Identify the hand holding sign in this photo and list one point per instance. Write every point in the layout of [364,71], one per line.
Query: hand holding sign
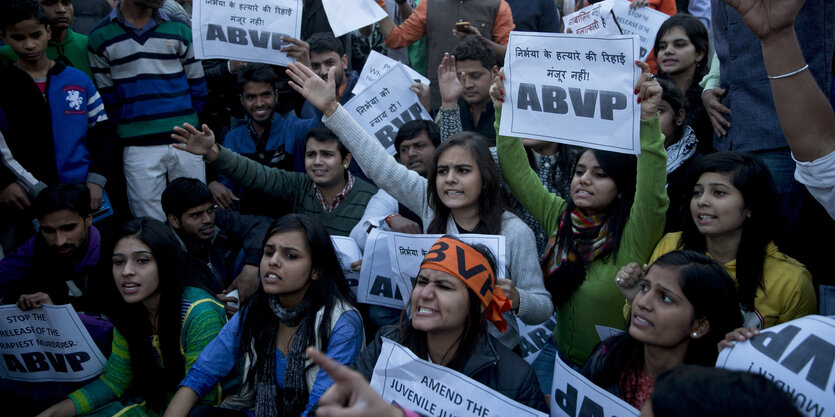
[350,395]
[739,335]
[297,49]
[648,91]
[320,93]
[448,82]
[497,90]
[30,301]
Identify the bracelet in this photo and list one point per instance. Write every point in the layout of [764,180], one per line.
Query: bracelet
[388,218]
[777,77]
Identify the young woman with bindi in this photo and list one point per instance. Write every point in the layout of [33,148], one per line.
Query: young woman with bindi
[681,46]
[732,214]
[597,230]
[448,323]
[303,301]
[161,326]
[686,303]
[460,195]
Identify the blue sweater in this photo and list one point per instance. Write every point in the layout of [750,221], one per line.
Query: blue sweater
[148,77]
[221,355]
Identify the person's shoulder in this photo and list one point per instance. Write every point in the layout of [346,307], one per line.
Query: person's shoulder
[670,241]
[363,185]
[194,296]
[776,259]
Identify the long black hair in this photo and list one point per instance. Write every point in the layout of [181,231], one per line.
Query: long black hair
[709,289]
[622,169]
[697,34]
[259,324]
[491,205]
[753,179]
[151,381]
[474,328]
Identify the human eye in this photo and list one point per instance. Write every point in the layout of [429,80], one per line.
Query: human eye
[143,260]
[421,281]
[290,256]
[697,192]
[442,171]
[643,287]
[666,299]
[600,174]
[118,261]
[719,193]
[463,170]
[579,172]
[269,252]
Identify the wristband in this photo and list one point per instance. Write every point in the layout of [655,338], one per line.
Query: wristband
[388,218]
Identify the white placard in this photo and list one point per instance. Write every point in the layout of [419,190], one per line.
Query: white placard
[348,252]
[376,66]
[643,21]
[402,378]
[532,338]
[573,395]
[377,284]
[797,356]
[386,105]
[573,89]
[247,30]
[407,252]
[49,343]
[596,18]
[346,16]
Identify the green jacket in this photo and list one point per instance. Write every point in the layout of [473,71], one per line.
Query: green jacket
[296,188]
[597,302]
[72,51]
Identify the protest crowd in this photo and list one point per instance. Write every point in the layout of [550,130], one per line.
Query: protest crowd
[417,207]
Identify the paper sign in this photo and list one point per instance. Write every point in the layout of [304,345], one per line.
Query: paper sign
[643,22]
[386,105]
[249,30]
[348,252]
[573,395]
[407,251]
[46,344]
[532,338]
[596,18]
[346,16]
[797,356]
[378,64]
[573,89]
[402,378]
[377,284]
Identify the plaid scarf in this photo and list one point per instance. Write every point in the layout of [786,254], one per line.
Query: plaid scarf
[564,266]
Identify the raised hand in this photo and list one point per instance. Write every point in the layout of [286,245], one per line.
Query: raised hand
[448,82]
[197,142]
[648,91]
[297,49]
[320,93]
[765,17]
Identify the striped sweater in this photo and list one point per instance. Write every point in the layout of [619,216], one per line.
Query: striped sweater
[149,80]
[202,317]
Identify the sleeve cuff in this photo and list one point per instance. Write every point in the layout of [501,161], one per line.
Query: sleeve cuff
[97,179]
[35,189]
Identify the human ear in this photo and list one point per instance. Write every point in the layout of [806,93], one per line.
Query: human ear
[175,222]
[699,328]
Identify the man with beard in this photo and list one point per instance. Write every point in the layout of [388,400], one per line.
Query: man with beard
[56,266]
[215,237]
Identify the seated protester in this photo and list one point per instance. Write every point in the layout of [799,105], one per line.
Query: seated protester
[304,301]
[733,218]
[65,45]
[460,195]
[215,237]
[694,391]
[681,144]
[685,305]
[161,326]
[58,265]
[415,143]
[267,137]
[328,192]
[682,50]
[614,216]
[464,79]
[447,325]
[55,130]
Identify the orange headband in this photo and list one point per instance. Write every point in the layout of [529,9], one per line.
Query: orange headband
[465,263]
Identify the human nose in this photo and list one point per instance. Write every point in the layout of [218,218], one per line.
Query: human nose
[427,292]
[60,8]
[61,238]
[127,268]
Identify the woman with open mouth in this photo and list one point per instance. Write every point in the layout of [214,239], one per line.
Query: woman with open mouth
[303,301]
[161,326]
[684,305]
[448,326]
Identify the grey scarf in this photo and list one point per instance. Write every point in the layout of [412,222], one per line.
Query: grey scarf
[293,397]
